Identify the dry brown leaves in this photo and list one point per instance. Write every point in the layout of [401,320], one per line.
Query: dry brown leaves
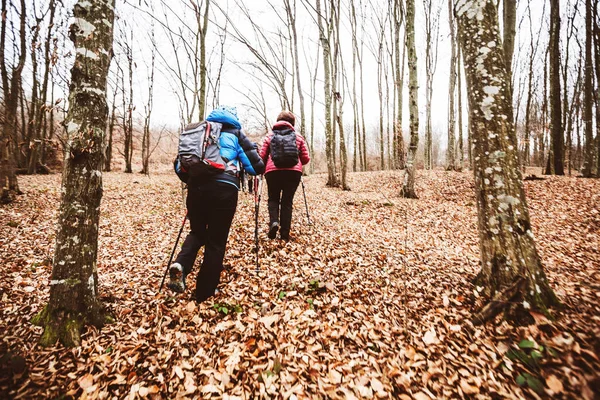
[372,301]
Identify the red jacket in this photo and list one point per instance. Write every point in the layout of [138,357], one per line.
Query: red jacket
[303,156]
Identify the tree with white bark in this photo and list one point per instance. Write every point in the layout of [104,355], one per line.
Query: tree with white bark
[74,300]
[511,273]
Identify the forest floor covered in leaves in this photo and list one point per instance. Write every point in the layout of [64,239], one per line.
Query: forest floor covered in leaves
[370,301]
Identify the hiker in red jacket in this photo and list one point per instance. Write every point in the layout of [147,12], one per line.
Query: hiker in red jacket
[284,151]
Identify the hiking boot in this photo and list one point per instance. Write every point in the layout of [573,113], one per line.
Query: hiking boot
[176,278]
[284,236]
[273,230]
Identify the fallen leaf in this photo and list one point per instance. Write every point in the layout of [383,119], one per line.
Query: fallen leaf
[268,320]
[178,371]
[430,336]
[467,388]
[554,384]
[86,381]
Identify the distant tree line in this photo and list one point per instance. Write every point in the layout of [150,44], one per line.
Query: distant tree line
[554,80]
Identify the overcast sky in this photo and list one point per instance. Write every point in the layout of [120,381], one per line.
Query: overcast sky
[238,78]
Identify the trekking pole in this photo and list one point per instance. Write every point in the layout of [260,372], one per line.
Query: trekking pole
[305,202]
[257,195]
[173,252]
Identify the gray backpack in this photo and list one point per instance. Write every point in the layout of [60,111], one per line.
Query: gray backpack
[199,153]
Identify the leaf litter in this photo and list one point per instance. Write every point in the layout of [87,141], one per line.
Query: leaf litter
[371,301]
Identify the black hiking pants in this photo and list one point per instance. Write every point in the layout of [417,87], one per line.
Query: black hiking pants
[211,207]
[282,187]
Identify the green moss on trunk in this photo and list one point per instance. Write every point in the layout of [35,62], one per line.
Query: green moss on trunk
[64,326]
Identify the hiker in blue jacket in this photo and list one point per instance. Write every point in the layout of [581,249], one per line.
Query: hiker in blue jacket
[211,203]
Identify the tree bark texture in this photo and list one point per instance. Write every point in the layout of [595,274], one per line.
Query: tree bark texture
[450,163]
[431,23]
[202,77]
[555,99]
[398,147]
[291,13]
[74,282]
[597,68]
[509,18]
[325,36]
[398,84]
[461,151]
[588,99]
[508,251]
[128,110]
[11,86]
[408,186]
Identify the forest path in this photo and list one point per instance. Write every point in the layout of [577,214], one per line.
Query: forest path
[369,301]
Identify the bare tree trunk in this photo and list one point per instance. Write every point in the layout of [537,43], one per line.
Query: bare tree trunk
[128,106]
[379,58]
[291,13]
[362,94]
[74,283]
[461,152]
[399,160]
[588,154]
[450,164]
[30,135]
[108,148]
[571,26]
[573,112]
[357,148]
[597,58]
[313,86]
[203,32]
[340,75]
[408,186]
[40,125]
[555,99]
[431,44]
[509,16]
[325,37]
[148,109]
[544,112]
[9,186]
[526,161]
[512,273]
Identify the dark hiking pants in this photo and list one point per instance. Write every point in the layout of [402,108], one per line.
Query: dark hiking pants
[282,187]
[211,207]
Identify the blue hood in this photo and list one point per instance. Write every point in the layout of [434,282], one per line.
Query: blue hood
[224,117]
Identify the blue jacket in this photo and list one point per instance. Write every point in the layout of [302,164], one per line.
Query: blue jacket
[236,147]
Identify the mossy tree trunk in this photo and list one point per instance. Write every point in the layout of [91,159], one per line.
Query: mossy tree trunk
[512,272]
[74,283]
[408,186]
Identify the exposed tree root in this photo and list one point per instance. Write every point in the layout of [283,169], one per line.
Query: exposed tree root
[65,326]
[500,302]
[408,194]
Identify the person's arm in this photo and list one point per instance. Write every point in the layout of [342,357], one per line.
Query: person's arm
[251,160]
[303,150]
[264,151]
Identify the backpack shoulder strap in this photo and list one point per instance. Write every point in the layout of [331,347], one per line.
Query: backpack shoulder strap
[205,139]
